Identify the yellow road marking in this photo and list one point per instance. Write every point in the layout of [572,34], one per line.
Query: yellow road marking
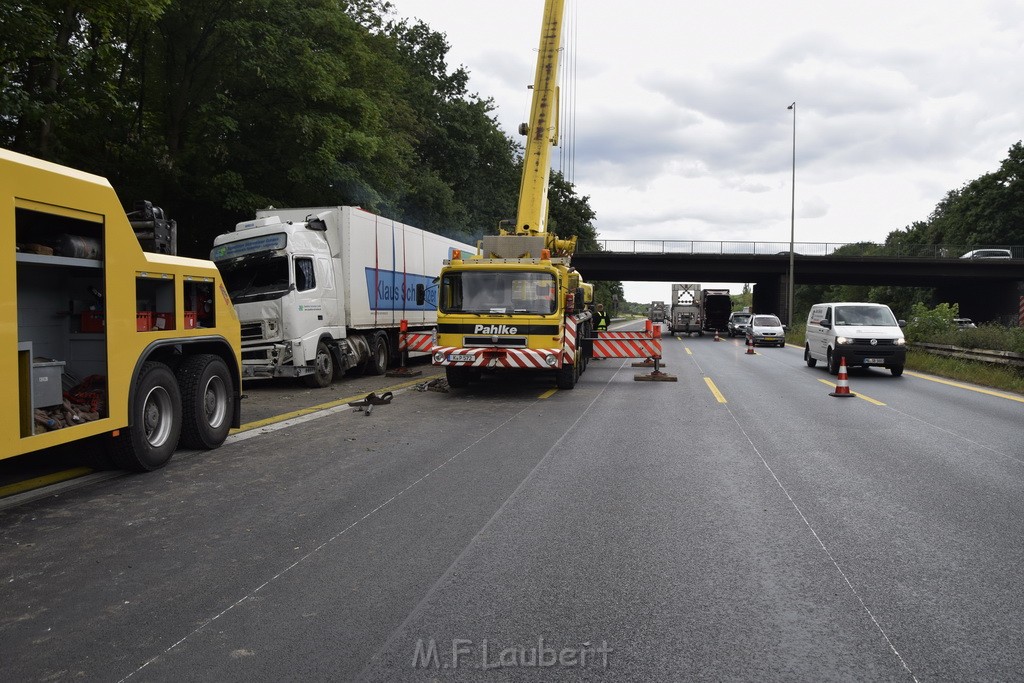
[714,390]
[548,394]
[688,351]
[46,480]
[988,392]
[248,426]
[855,393]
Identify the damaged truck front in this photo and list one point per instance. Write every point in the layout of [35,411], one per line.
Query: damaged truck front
[323,290]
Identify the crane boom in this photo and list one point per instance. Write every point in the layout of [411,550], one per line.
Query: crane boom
[542,130]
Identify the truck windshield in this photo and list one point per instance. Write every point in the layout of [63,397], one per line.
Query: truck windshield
[498,292]
[258,277]
[865,316]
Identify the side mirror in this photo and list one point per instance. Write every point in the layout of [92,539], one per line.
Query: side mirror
[785,328]
[901,323]
[826,324]
[421,294]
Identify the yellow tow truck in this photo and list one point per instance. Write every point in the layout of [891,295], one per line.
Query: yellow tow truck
[100,339]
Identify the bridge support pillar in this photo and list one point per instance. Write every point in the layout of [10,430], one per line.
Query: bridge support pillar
[769,296]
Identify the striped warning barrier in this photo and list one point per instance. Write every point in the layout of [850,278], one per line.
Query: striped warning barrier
[626,345]
[416,341]
[409,341]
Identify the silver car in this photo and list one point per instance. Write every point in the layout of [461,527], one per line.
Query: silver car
[766,329]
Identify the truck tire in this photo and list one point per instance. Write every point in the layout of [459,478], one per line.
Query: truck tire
[811,362]
[896,370]
[458,378]
[154,421]
[831,363]
[323,375]
[206,401]
[377,363]
[565,376]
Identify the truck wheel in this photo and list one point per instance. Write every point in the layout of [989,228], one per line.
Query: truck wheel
[565,376]
[377,364]
[154,421]
[831,362]
[896,370]
[457,377]
[811,362]
[206,393]
[324,364]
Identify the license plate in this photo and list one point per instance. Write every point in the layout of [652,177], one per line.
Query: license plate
[770,338]
[874,360]
[461,358]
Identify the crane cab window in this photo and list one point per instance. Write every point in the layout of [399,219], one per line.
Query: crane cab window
[501,292]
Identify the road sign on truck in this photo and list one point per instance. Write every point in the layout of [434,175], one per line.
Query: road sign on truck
[100,338]
[322,290]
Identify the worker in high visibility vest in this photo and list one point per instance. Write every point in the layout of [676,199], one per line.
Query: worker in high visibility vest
[600,318]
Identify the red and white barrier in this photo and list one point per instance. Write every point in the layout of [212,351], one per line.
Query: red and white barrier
[626,345]
[416,341]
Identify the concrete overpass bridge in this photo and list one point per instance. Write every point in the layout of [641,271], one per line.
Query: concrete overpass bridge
[985,288]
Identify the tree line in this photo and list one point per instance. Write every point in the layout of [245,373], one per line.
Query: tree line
[215,109]
[987,211]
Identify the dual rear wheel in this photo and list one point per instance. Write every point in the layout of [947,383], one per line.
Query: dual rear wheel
[192,406]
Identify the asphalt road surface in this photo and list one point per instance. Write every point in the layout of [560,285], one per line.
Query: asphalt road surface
[738,524]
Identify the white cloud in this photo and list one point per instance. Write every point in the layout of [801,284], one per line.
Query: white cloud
[681,126]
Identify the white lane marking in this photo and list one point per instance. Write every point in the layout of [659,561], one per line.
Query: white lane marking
[487,525]
[371,513]
[817,538]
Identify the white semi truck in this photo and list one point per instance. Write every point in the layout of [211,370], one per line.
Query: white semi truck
[323,290]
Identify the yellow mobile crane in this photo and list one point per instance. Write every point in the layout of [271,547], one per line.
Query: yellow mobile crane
[519,303]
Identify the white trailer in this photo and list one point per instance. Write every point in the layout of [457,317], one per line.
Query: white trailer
[323,290]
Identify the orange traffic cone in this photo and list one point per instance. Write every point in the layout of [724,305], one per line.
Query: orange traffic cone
[750,347]
[842,385]
[717,338]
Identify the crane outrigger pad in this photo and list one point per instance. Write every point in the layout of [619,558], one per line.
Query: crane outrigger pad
[656,376]
[649,363]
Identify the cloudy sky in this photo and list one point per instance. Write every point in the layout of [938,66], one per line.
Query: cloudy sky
[681,129]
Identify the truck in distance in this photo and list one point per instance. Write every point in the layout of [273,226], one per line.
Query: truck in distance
[656,312]
[324,290]
[685,316]
[716,305]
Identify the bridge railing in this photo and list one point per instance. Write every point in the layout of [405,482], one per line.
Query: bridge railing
[845,249]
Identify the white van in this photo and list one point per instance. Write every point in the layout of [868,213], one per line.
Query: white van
[862,333]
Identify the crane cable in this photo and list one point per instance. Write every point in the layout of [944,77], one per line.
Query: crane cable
[567,65]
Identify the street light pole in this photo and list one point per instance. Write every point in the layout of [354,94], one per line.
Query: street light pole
[792,223]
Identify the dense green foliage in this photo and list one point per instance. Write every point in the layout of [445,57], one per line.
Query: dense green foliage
[213,110]
[936,326]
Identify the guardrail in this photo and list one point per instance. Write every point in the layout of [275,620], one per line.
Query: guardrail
[845,249]
[1000,357]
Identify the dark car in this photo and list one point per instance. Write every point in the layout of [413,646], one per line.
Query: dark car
[737,325]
